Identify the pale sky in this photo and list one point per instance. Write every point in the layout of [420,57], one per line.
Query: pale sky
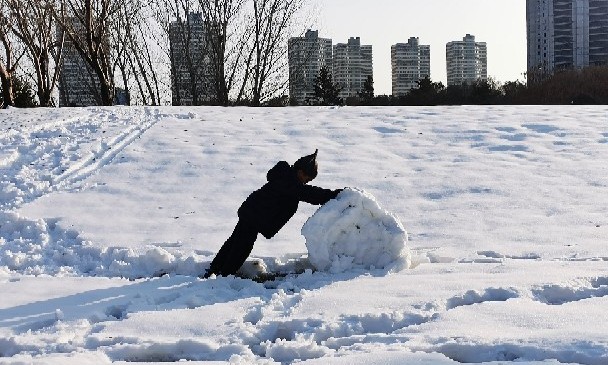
[382,23]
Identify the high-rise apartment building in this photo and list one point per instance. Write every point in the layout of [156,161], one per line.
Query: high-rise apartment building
[564,34]
[352,65]
[78,84]
[466,61]
[307,55]
[410,62]
[192,77]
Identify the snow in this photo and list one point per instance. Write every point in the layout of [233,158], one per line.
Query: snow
[353,231]
[504,260]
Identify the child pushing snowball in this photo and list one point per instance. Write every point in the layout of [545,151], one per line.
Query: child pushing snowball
[268,209]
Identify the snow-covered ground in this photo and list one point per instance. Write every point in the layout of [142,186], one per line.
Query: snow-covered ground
[506,211]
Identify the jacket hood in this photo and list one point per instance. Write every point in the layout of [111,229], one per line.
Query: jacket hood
[282,170]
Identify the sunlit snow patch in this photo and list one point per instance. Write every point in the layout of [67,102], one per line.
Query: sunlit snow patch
[353,231]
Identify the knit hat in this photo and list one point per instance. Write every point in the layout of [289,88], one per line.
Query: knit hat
[308,164]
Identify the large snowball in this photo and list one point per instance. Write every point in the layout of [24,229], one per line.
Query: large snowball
[353,231]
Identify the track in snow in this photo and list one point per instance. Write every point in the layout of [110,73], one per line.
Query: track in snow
[41,157]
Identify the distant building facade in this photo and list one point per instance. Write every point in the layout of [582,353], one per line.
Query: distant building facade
[352,65]
[192,77]
[410,62]
[306,56]
[78,84]
[466,61]
[566,34]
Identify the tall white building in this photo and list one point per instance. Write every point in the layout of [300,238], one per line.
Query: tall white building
[410,62]
[192,78]
[307,55]
[466,61]
[352,64]
[565,34]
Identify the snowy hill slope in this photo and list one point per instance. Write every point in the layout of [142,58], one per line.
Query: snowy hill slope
[505,208]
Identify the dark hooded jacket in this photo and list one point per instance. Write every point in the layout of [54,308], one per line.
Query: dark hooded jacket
[269,208]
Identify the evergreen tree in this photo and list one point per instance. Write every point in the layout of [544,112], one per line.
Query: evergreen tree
[367,94]
[25,96]
[484,92]
[427,92]
[326,92]
[513,92]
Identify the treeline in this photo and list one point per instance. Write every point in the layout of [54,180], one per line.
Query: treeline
[586,86]
[126,46]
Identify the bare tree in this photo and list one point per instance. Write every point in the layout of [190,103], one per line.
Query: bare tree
[86,24]
[226,39]
[34,27]
[8,61]
[140,61]
[247,44]
[120,34]
[164,12]
[272,21]
[184,42]
[6,64]
[132,55]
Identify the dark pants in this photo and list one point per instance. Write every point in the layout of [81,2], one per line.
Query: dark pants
[235,250]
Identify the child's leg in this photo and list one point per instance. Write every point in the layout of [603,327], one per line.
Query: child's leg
[235,250]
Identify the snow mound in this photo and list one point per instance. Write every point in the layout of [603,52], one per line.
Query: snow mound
[43,247]
[353,231]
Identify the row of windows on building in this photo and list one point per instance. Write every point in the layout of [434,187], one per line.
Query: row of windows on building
[351,64]
[566,34]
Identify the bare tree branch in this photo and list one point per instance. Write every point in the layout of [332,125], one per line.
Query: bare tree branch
[34,27]
[8,63]
[273,20]
[86,24]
